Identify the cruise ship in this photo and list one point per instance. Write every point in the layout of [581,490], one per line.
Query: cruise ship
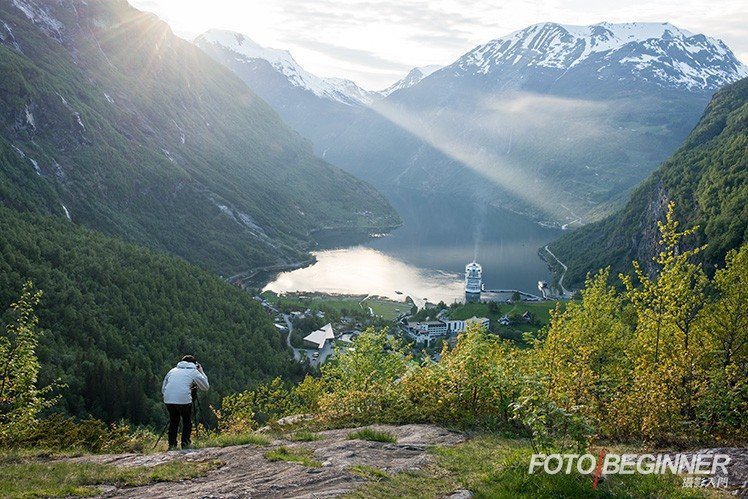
[473,281]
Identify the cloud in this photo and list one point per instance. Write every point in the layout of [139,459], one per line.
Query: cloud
[357,56]
[378,41]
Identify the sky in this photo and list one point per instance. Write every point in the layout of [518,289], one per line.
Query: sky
[376,42]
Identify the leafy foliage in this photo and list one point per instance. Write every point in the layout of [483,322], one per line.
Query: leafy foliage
[663,360]
[21,400]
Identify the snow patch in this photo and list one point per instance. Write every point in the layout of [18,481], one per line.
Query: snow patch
[675,56]
[168,155]
[77,117]
[182,136]
[67,213]
[413,77]
[59,172]
[12,37]
[336,89]
[241,218]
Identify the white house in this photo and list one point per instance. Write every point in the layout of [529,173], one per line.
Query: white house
[318,338]
[426,332]
[462,326]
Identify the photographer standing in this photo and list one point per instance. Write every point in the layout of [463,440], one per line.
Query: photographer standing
[177,390]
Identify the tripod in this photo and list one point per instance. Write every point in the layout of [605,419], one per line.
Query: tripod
[196,410]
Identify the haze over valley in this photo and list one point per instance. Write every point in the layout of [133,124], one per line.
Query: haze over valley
[406,268]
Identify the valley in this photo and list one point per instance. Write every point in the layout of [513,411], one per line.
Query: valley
[415,276]
[425,258]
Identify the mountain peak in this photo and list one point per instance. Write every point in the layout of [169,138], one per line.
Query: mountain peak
[414,76]
[656,52]
[243,45]
[336,89]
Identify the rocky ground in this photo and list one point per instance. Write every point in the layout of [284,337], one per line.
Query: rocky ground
[247,473]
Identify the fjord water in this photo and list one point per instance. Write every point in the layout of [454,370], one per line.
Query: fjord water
[426,257]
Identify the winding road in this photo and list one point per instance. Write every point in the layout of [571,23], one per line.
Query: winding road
[323,354]
[564,291]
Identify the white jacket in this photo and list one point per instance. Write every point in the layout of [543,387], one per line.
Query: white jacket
[178,383]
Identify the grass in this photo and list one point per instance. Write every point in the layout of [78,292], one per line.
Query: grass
[372,435]
[541,310]
[387,309]
[314,300]
[63,478]
[304,436]
[293,455]
[495,467]
[369,472]
[230,439]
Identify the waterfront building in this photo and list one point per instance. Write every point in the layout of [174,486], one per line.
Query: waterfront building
[456,326]
[426,332]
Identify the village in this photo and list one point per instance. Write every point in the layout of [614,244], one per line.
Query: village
[315,324]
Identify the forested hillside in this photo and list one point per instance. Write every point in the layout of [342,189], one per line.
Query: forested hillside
[110,119]
[708,180]
[116,317]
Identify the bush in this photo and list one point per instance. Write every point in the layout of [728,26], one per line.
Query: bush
[58,432]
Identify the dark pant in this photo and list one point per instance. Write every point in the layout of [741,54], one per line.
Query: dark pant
[177,412]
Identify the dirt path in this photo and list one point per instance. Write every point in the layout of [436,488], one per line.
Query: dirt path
[246,472]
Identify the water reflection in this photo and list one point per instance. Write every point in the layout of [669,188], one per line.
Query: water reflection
[361,270]
[426,257]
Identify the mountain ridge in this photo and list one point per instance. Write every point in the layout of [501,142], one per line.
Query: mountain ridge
[555,122]
[336,89]
[121,126]
[707,178]
[562,46]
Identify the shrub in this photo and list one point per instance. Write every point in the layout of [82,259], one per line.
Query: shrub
[21,400]
[58,432]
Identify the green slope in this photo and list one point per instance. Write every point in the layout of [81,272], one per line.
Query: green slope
[708,180]
[142,136]
[116,317]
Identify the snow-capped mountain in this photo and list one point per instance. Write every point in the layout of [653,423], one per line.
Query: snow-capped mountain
[557,122]
[414,76]
[246,50]
[554,121]
[655,52]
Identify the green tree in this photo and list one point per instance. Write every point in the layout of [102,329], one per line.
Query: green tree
[668,308]
[584,354]
[725,405]
[21,400]
[362,383]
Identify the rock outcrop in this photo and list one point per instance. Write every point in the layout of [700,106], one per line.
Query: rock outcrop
[247,473]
